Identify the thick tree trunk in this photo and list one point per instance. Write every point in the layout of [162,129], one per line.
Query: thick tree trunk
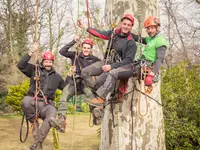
[133,129]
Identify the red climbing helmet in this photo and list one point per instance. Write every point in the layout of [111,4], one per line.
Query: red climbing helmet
[151,21]
[129,17]
[48,56]
[88,41]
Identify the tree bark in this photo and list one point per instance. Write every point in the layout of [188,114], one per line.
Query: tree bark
[132,130]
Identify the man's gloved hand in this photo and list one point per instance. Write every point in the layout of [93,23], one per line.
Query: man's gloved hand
[148,81]
[33,49]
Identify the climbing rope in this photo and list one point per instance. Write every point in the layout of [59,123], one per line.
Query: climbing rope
[36,78]
[140,28]
[55,139]
[90,125]
[36,61]
[75,86]
[142,71]
[87,13]
[145,68]
[21,129]
[139,98]
[131,109]
[117,125]
[74,118]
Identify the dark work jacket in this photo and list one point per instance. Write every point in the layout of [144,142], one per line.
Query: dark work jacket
[124,45]
[49,81]
[81,61]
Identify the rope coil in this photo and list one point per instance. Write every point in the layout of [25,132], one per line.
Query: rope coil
[21,129]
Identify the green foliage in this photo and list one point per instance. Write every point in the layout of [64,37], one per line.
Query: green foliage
[57,97]
[181,99]
[16,94]
[71,109]
[85,107]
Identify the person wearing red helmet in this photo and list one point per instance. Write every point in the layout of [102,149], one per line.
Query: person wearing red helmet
[78,62]
[49,81]
[155,49]
[154,52]
[121,51]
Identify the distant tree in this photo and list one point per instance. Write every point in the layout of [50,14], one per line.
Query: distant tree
[182,30]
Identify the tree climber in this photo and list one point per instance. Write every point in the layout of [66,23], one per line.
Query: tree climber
[154,53]
[48,81]
[155,49]
[79,61]
[121,51]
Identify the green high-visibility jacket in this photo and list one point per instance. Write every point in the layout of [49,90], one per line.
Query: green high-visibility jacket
[150,50]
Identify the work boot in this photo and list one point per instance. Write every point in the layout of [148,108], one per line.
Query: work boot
[97,116]
[97,101]
[60,123]
[36,146]
[32,147]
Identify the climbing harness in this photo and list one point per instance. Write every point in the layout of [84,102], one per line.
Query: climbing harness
[21,129]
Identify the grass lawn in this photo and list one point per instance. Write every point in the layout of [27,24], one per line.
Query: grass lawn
[84,137]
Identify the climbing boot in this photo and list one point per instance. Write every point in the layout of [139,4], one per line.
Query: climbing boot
[59,124]
[97,116]
[36,146]
[33,147]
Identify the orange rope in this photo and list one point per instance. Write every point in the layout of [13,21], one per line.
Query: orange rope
[88,15]
[36,59]
[139,98]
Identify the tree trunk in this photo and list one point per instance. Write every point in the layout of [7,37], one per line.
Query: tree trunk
[132,130]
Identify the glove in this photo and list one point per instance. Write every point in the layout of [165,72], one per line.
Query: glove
[148,81]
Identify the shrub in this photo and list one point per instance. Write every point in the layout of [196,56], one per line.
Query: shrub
[85,107]
[71,109]
[181,99]
[16,94]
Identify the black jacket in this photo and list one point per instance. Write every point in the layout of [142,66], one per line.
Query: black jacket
[81,61]
[124,45]
[49,81]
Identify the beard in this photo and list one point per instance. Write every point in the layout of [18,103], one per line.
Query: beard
[47,67]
